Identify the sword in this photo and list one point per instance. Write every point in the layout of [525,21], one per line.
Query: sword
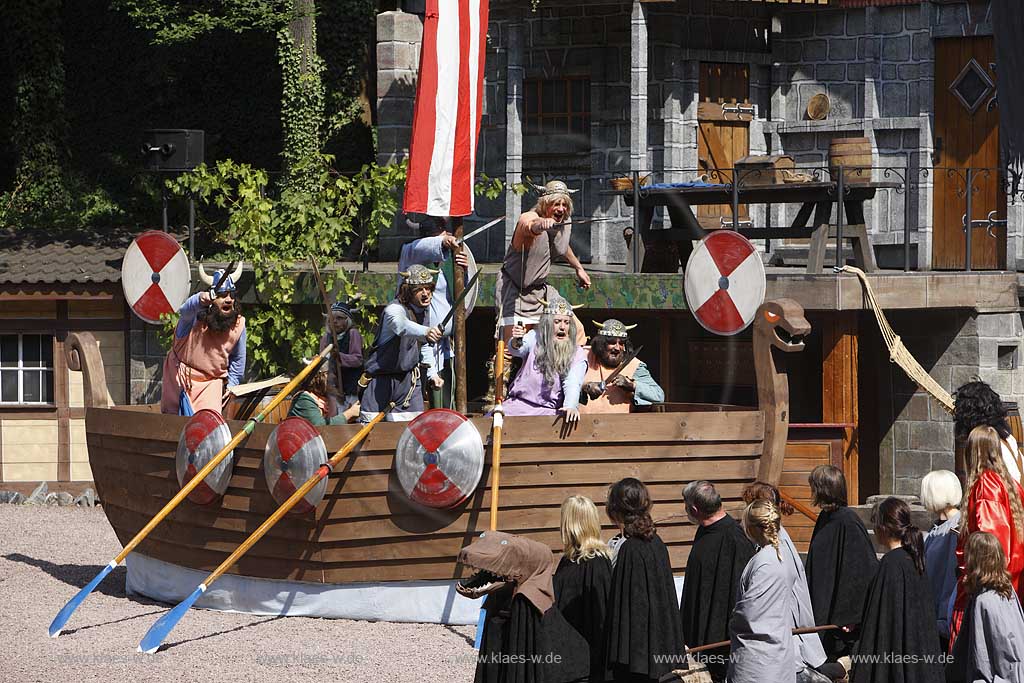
[615,373]
[587,220]
[479,230]
[458,300]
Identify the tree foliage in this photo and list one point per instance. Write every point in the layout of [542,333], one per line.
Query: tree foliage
[279,235]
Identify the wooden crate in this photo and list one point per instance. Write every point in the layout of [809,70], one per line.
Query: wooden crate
[756,170]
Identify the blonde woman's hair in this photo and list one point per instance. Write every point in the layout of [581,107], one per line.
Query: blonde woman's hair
[940,489]
[986,565]
[544,204]
[581,530]
[762,521]
[985,452]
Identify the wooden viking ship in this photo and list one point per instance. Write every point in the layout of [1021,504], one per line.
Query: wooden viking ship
[367,530]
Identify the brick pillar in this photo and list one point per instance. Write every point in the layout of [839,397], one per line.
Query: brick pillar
[513,126]
[399,35]
[638,88]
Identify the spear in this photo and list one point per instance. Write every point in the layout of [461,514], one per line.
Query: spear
[57,625]
[159,631]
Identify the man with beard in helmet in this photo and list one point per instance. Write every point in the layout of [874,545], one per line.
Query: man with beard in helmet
[554,366]
[633,386]
[393,368]
[208,352]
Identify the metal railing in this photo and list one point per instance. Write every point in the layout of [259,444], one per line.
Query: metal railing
[841,181]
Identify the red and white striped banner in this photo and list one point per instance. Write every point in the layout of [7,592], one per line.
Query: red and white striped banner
[449,99]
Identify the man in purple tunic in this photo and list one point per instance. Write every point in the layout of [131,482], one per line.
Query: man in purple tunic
[552,374]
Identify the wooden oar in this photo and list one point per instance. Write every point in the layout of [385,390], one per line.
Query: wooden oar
[62,617]
[159,631]
[798,506]
[796,632]
[498,417]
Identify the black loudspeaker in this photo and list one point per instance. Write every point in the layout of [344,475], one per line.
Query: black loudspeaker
[172,149]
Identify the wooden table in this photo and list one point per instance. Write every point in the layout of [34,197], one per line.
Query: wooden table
[667,250]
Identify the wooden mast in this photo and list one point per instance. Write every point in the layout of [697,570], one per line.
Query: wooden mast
[459,330]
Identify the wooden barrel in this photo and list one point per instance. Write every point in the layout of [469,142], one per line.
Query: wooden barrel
[853,157]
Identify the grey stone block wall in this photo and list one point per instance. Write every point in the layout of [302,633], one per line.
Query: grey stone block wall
[954,347]
[875,64]
[146,357]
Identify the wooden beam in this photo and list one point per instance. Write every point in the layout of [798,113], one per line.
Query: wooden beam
[61,396]
[840,400]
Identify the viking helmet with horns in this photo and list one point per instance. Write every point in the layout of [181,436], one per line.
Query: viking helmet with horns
[418,276]
[559,306]
[220,281]
[613,328]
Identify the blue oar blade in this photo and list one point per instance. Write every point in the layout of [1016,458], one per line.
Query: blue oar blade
[478,639]
[57,625]
[159,631]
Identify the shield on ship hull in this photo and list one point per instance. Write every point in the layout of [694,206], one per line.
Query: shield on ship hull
[294,452]
[439,459]
[204,436]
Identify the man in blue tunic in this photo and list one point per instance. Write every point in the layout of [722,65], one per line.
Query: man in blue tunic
[434,247]
[393,368]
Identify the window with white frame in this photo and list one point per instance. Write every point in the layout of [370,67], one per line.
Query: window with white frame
[26,369]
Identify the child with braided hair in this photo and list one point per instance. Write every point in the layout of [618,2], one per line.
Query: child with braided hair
[811,661]
[762,648]
[898,640]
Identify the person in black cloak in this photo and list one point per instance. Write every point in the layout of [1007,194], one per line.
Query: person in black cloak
[840,561]
[584,576]
[720,552]
[525,639]
[990,645]
[898,626]
[645,636]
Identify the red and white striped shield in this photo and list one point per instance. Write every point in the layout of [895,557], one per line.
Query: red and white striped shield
[204,436]
[724,282]
[446,117]
[439,458]
[155,275]
[294,452]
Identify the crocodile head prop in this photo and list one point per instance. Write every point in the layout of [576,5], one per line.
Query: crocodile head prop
[500,559]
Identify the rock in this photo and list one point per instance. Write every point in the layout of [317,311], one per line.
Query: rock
[50,499]
[87,499]
[64,499]
[12,497]
[38,497]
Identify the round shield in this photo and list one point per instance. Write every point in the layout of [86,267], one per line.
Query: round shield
[471,269]
[724,282]
[439,458]
[205,435]
[155,275]
[294,452]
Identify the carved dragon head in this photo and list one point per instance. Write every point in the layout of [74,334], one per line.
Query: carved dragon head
[784,324]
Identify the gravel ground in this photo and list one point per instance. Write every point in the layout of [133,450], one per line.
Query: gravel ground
[47,554]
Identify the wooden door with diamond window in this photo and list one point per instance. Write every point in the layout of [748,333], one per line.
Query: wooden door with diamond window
[966,134]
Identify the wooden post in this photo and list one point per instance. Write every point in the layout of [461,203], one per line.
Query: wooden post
[840,401]
[459,331]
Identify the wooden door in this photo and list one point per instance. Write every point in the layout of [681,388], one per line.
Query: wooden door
[966,134]
[724,135]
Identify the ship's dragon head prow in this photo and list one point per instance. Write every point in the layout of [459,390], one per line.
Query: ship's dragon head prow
[783,321]
[499,559]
